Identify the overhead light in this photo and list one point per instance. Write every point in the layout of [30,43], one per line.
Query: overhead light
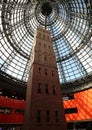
[1,92]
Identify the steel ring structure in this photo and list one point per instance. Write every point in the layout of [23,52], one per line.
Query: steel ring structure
[70,24]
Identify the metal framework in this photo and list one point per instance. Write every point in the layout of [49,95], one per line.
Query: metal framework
[70,23]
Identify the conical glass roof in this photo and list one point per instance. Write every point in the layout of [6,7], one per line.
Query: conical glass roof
[70,24]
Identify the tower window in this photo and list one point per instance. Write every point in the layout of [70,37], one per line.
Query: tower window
[46,72]
[39,34]
[54,90]
[39,70]
[39,116]
[39,88]
[46,89]
[39,43]
[52,72]
[56,116]
[48,116]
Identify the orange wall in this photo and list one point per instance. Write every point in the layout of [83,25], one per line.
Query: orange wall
[83,102]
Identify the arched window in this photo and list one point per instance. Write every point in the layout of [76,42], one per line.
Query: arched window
[39,88]
[48,116]
[38,116]
[46,89]
[54,89]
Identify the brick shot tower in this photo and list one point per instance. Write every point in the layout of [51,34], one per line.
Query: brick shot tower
[44,106]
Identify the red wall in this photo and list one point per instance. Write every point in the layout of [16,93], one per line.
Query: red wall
[83,102]
[13,104]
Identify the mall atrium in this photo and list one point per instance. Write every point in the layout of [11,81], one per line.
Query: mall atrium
[70,25]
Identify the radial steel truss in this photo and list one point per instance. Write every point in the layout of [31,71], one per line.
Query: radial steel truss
[70,23]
